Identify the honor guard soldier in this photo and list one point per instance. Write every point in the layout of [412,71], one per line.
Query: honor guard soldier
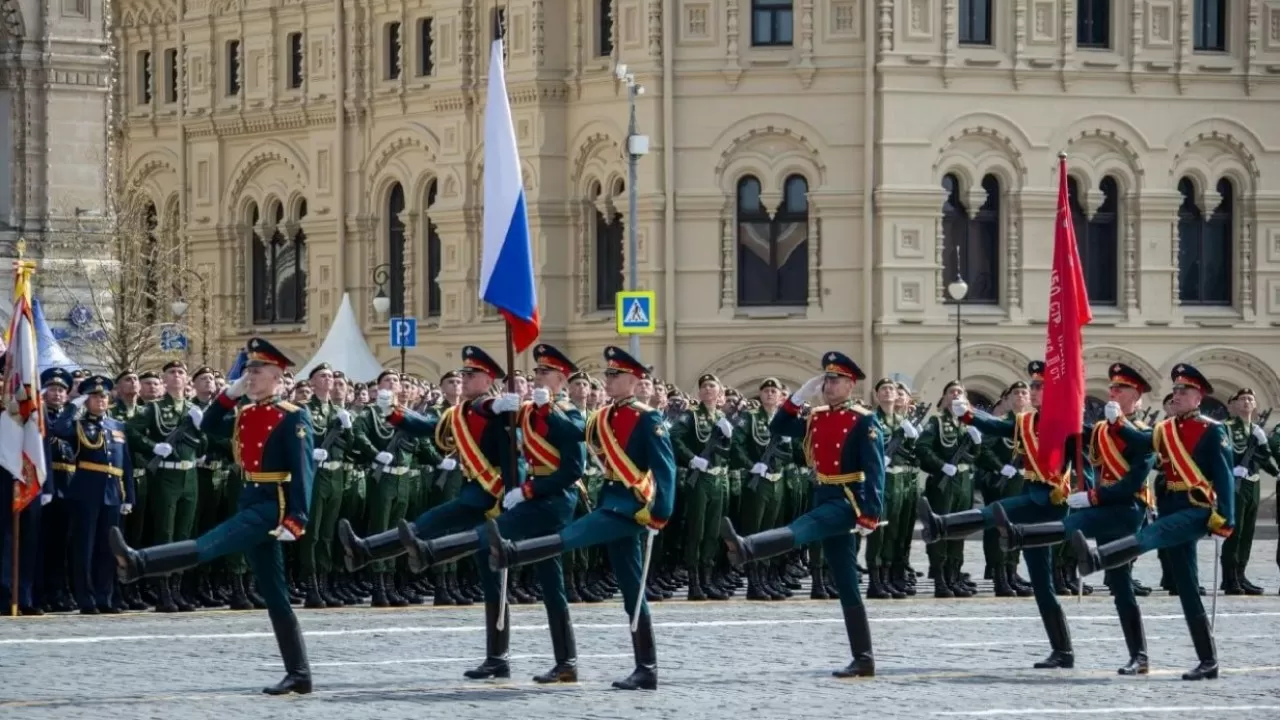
[272,440]
[100,491]
[899,476]
[1251,458]
[1043,499]
[702,437]
[552,445]
[766,457]
[844,444]
[1116,506]
[631,441]
[1199,497]
[332,425]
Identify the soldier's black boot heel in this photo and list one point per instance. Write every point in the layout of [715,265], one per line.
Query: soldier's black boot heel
[293,650]
[564,648]
[159,561]
[1135,638]
[1206,650]
[1063,656]
[1017,537]
[645,676]
[507,554]
[952,526]
[425,554]
[358,552]
[496,643]
[1104,557]
[859,630]
[760,546]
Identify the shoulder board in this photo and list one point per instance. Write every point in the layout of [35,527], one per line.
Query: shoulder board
[820,408]
[566,406]
[1207,420]
[641,407]
[861,410]
[287,406]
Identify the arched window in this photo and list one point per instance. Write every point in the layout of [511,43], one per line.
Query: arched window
[1213,408]
[1094,409]
[978,240]
[433,266]
[608,247]
[395,248]
[261,269]
[1096,240]
[279,269]
[1205,246]
[980,400]
[291,276]
[773,252]
[151,260]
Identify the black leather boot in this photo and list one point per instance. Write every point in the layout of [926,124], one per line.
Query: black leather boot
[759,546]
[1000,581]
[859,630]
[709,585]
[1105,557]
[1135,638]
[1231,580]
[179,597]
[313,599]
[293,650]
[394,599]
[1249,587]
[645,676]
[1016,537]
[496,643]
[1063,656]
[507,554]
[358,552]
[875,589]
[425,554]
[564,648]
[239,600]
[158,561]
[886,582]
[696,591]
[1206,650]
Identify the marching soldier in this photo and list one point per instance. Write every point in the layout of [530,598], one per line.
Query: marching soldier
[1250,456]
[701,438]
[636,502]
[902,526]
[845,446]
[100,491]
[1003,484]
[1116,507]
[332,425]
[273,445]
[898,476]
[765,456]
[1198,498]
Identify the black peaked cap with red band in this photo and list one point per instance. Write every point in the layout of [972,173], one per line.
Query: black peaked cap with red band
[548,357]
[1185,375]
[618,360]
[475,359]
[1121,374]
[261,353]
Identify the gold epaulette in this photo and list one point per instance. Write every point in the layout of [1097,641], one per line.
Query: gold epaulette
[641,406]
[287,406]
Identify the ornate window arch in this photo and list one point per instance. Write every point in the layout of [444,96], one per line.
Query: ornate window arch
[279,265]
[150,252]
[1097,237]
[395,234]
[971,223]
[432,266]
[773,247]
[607,253]
[1206,244]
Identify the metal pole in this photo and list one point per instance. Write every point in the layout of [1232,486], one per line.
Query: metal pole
[633,246]
[959,375]
[402,353]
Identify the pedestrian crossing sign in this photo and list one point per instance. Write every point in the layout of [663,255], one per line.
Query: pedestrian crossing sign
[635,312]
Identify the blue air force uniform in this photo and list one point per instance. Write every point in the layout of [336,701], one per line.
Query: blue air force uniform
[1194,452]
[844,445]
[100,490]
[631,441]
[272,440]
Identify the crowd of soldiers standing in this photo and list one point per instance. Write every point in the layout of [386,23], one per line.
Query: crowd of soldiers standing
[731,466]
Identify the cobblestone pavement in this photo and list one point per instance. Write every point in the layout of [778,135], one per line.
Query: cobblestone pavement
[935,659]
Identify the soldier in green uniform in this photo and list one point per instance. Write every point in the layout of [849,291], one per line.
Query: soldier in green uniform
[901,527]
[347,585]
[900,436]
[446,481]
[763,458]
[332,424]
[123,407]
[1001,484]
[707,476]
[211,481]
[942,454]
[167,429]
[1250,455]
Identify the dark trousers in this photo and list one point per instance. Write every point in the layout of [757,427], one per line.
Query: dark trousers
[29,541]
[830,523]
[623,539]
[93,569]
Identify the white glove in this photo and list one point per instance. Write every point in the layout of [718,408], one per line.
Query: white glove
[196,415]
[237,388]
[1008,471]
[759,469]
[384,458]
[1259,434]
[45,499]
[319,455]
[959,407]
[699,464]
[283,535]
[506,402]
[1240,472]
[1112,411]
[514,497]
[950,470]
[909,431]
[125,509]
[386,402]
[541,396]
[1078,500]
[163,449]
[807,390]
[726,427]
[447,464]
[344,418]
[80,400]
[974,434]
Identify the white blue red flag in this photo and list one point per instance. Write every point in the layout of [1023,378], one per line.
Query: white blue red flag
[506,256]
[22,420]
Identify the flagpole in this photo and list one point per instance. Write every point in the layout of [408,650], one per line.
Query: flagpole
[14,575]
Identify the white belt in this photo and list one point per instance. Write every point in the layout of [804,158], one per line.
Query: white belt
[391,470]
[332,465]
[897,468]
[1253,478]
[211,465]
[178,465]
[717,470]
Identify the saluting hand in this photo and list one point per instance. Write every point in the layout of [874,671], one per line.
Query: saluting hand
[237,388]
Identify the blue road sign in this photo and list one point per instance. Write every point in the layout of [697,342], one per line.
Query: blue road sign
[172,340]
[404,332]
[635,312]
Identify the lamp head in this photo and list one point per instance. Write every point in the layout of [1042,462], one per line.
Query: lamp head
[381,303]
[958,289]
[179,307]
[620,71]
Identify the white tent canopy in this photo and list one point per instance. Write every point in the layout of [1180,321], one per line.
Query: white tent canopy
[345,349]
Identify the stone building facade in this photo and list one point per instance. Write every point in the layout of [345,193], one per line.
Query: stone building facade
[816,169]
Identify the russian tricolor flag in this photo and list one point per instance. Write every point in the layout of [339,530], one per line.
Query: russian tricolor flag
[506,257]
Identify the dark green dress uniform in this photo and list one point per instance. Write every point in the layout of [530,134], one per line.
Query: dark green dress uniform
[212,470]
[1247,439]
[273,440]
[632,442]
[1000,485]
[883,579]
[333,429]
[764,486]
[706,495]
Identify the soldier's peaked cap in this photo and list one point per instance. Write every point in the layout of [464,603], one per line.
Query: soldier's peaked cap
[885,381]
[837,364]
[548,357]
[1185,375]
[618,360]
[1243,392]
[55,377]
[204,370]
[1121,374]
[476,360]
[262,353]
[125,373]
[319,369]
[1035,370]
[96,385]
[770,382]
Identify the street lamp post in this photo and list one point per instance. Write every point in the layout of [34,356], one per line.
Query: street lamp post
[637,147]
[957,289]
[382,302]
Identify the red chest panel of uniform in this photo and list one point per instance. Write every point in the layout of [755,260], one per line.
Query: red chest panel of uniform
[1116,445]
[623,420]
[828,433]
[253,427]
[538,423]
[1189,431]
[476,422]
